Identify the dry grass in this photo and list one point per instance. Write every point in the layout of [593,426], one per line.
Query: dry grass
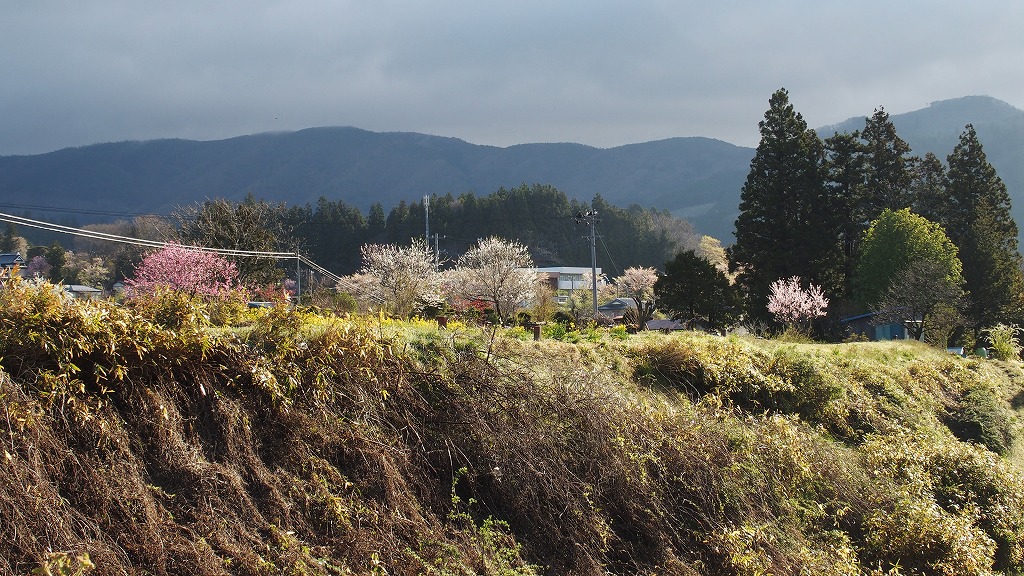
[306,445]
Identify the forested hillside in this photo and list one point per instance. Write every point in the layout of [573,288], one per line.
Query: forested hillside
[694,178]
[539,216]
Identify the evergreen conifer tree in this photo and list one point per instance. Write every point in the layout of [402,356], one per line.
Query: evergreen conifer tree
[694,290]
[845,174]
[980,224]
[375,221]
[786,226]
[888,168]
[928,189]
[8,242]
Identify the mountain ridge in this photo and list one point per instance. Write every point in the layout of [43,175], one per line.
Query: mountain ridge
[694,177]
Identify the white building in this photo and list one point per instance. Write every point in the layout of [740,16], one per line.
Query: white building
[565,279]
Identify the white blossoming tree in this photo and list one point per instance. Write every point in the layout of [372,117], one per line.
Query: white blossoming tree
[638,284]
[498,272]
[402,277]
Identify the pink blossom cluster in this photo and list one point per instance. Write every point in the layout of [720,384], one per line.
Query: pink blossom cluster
[181,268]
[38,266]
[792,305]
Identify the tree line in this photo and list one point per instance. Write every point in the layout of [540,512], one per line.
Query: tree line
[808,204]
[538,216]
[332,233]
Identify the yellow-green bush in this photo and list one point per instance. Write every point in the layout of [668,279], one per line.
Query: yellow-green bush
[959,505]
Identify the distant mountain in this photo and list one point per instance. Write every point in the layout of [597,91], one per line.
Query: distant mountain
[695,178]
[688,176]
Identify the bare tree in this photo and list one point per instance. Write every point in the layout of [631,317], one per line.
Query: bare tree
[247,225]
[921,294]
[498,272]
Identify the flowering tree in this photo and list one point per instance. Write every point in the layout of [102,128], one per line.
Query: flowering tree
[81,268]
[794,306]
[638,283]
[38,266]
[402,277]
[498,272]
[184,269]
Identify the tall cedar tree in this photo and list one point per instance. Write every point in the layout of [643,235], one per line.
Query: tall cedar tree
[928,189]
[845,175]
[888,175]
[786,225]
[8,242]
[867,172]
[980,224]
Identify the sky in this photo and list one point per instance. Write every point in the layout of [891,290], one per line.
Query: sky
[594,72]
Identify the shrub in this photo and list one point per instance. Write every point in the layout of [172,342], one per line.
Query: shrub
[982,416]
[275,328]
[228,310]
[172,309]
[554,331]
[921,538]
[1003,341]
[954,508]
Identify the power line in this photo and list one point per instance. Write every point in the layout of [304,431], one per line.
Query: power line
[89,211]
[609,254]
[158,244]
[337,279]
[136,241]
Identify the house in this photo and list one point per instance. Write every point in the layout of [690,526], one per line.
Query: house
[617,308]
[565,279]
[9,261]
[83,292]
[864,325]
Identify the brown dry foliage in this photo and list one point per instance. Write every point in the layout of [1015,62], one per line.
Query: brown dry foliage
[313,446]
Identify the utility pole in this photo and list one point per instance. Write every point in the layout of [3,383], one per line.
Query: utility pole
[298,276]
[590,218]
[426,218]
[437,253]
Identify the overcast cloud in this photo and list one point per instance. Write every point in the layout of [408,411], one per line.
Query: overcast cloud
[500,73]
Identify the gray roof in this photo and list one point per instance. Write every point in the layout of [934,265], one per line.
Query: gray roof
[618,304]
[80,288]
[11,259]
[665,325]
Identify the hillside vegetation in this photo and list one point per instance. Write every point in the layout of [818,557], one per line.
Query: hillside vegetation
[297,443]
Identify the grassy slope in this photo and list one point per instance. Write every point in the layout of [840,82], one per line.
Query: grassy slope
[322,446]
